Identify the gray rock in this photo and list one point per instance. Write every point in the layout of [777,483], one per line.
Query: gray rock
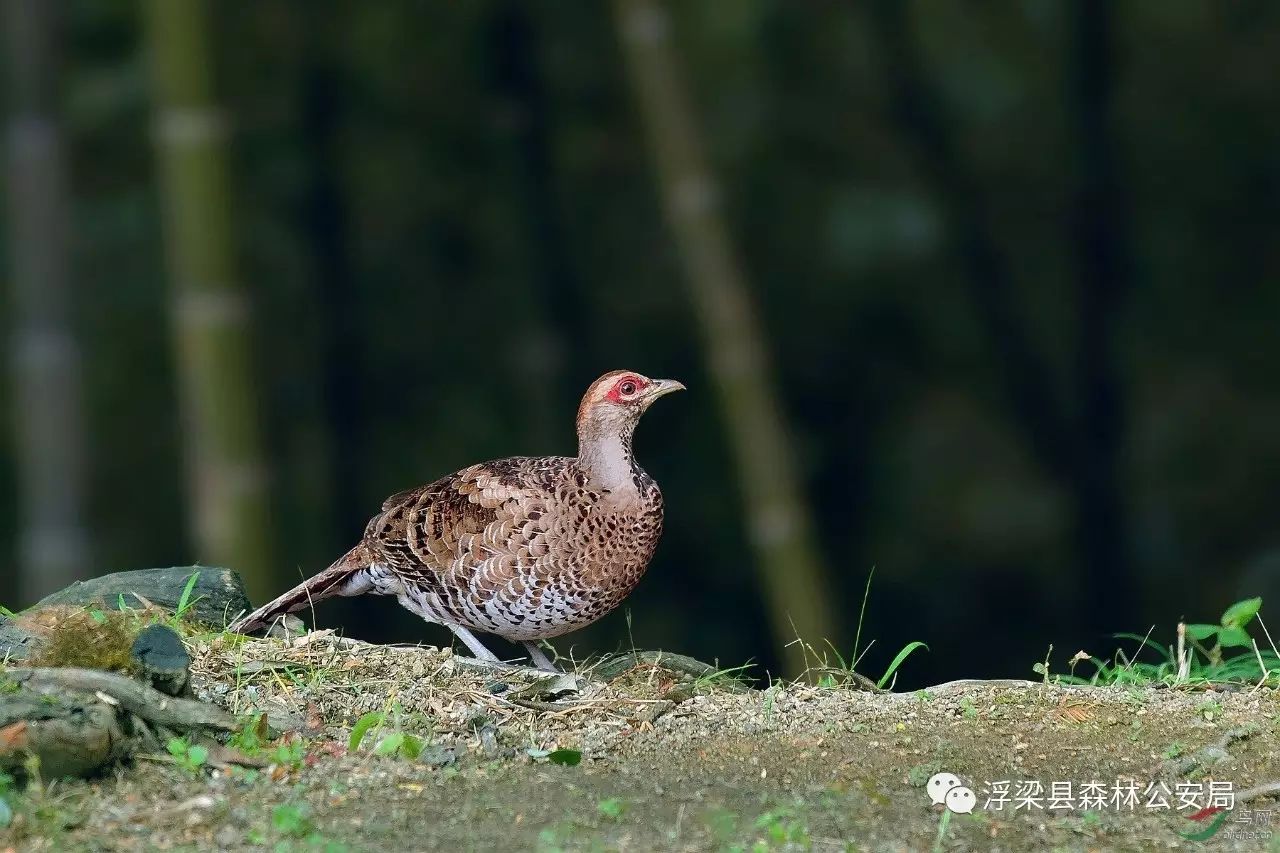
[216,599]
[15,643]
[162,660]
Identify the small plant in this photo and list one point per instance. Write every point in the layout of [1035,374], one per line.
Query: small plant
[390,744]
[844,670]
[1203,657]
[185,601]
[723,825]
[1172,751]
[1209,709]
[918,776]
[292,821]
[293,826]
[563,757]
[555,838]
[611,808]
[968,709]
[779,829]
[191,757]
[6,795]
[251,735]
[289,754]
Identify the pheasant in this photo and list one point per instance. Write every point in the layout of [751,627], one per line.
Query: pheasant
[526,548]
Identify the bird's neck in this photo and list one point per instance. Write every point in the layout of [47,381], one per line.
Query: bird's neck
[604,452]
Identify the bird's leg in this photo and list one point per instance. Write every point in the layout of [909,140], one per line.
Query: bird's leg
[539,657]
[476,647]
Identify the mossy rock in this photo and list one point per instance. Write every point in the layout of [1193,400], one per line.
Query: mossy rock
[217,597]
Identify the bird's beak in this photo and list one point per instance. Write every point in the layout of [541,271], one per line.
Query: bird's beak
[662,387]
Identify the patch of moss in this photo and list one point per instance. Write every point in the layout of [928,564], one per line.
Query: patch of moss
[91,638]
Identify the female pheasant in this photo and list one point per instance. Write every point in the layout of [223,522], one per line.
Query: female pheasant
[527,548]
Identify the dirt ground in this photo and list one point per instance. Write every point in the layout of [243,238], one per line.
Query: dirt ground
[668,762]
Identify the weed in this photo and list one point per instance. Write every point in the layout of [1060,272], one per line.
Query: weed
[769,696]
[191,757]
[729,676]
[918,776]
[392,743]
[968,709]
[289,754]
[185,601]
[723,825]
[1201,655]
[251,736]
[6,795]
[781,828]
[611,808]
[294,829]
[1209,709]
[1173,751]
[944,824]
[292,821]
[843,671]
[563,757]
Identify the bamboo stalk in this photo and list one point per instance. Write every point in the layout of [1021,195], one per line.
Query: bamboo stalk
[210,305]
[45,356]
[741,366]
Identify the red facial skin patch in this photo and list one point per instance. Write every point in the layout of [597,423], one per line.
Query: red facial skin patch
[615,393]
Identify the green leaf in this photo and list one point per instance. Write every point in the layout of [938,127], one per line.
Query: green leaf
[291,820]
[197,755]
[611,808]
[6,813]
[1202,632]
[97,616]
[565,757]
[177,746]
[898,659]
[390,744]
[1241,613]
[1234,637]
[184,601]
[363,725]
[412,747]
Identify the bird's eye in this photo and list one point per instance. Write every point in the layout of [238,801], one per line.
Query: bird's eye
[627,388]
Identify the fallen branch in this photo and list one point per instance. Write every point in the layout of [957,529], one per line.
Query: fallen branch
[138,699]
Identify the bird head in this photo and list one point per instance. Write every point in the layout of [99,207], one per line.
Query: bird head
[618,399]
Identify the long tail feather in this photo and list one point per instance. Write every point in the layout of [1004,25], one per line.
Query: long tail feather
[332,581]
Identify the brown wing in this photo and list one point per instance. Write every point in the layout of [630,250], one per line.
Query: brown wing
[489,516]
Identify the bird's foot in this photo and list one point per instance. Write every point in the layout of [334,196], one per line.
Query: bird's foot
[539,658]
